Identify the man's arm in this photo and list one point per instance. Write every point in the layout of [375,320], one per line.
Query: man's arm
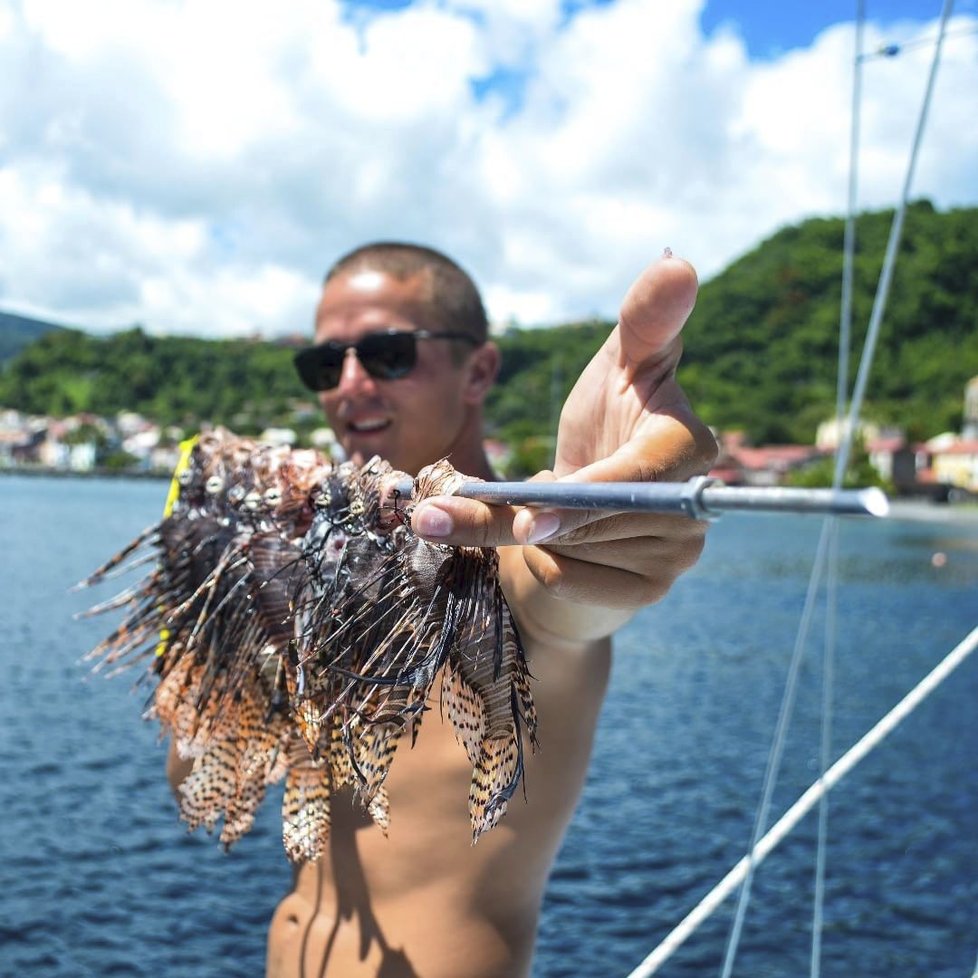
[579,575]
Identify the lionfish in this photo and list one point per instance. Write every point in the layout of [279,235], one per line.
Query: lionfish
[297,628]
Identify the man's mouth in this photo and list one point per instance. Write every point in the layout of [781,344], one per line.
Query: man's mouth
[367,426]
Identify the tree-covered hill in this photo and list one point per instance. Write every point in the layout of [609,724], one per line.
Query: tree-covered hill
[173,380]
[762,343]
[16,332]
[761,348]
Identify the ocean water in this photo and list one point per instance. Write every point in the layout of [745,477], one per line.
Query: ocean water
[98,877]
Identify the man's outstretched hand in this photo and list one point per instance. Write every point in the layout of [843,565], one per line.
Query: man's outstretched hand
[626,420]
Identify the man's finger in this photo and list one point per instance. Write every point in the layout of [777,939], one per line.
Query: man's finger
[457,521]
[607,586]
[463,522]
[656,307]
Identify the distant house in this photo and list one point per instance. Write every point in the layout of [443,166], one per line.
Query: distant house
[81,458]
[904,465]
[956,463]
[830,434]
[141,445]
[9,442]
[766,465]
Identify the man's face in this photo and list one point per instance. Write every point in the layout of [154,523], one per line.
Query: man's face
[413,420]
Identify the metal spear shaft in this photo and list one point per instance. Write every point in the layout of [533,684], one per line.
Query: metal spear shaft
[700,498]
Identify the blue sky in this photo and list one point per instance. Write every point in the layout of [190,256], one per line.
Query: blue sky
[769,28]
[196,166]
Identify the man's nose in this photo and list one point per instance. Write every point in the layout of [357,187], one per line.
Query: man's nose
[352,375]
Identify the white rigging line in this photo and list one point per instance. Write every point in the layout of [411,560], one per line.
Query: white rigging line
[762,843]
[832,581]
[804,804]
[841,464]
[825,746]
[889,260]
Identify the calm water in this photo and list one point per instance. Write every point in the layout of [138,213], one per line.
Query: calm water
[98,878]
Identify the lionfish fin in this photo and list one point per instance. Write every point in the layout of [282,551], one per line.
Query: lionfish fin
[305,808]
[379,810]
[494,779]
[206,791]
[117,558]
[464,708]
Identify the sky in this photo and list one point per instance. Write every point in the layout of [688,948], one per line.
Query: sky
[194,166]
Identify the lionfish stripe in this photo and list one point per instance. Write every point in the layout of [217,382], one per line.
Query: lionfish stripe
[305,811]
[464,708]
[496,775]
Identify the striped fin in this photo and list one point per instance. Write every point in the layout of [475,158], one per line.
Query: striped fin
[258,737]
[464,708]
[488,666]
[494,779]
[207,790]
[305,807]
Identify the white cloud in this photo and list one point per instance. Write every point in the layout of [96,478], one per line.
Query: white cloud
[194,166]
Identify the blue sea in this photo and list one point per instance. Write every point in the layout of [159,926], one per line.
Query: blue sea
[99,878]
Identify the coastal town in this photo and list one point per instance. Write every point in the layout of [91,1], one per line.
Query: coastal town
[943,468]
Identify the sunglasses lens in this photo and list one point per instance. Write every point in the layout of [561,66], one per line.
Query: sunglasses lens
[319,367]
[387,356]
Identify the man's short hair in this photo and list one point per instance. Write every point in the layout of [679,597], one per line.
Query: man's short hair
[453,303]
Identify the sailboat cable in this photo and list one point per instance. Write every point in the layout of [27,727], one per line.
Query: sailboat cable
[843,455]
[889,260]
[849,239]
[842,459]
[744,871]
[830,634]
[777,748]
[779,831]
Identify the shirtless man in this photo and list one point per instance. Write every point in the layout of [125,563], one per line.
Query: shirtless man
[423,902]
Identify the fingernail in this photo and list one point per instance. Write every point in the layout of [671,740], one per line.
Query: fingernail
[543,527]
[430,521]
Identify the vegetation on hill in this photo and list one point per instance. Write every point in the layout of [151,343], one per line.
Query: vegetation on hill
[762,343]
[761,349]
[173,380]
[16,332]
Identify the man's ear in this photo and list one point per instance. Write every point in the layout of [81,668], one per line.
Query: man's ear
[482,368]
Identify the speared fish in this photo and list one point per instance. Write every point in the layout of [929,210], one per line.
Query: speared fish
[298,629]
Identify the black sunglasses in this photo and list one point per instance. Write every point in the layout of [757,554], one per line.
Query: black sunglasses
[385,356]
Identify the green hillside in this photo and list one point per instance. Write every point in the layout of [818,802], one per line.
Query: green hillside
[761,348]
[174,380]
[762,343]
[16,332]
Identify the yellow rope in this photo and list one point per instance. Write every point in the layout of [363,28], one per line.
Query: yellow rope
[183,463]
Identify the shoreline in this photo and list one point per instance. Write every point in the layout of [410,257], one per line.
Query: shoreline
[52,473]
[922,511]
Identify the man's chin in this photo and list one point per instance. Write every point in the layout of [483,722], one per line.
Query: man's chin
[362,451]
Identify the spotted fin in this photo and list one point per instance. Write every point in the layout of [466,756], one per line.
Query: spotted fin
[494,779]
[305,807]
